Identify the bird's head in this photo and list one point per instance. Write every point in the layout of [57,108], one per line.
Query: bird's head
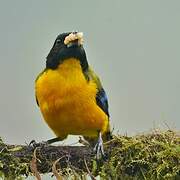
[67,45]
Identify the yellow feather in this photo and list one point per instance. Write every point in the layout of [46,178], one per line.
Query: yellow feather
[68,101]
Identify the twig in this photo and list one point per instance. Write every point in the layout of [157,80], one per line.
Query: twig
[33,166]
[90,174]
[54,170]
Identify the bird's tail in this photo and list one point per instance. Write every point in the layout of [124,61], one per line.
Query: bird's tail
[107,136]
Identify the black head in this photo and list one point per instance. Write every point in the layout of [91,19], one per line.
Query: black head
[61,51]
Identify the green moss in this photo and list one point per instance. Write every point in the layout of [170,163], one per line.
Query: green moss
[152,156]
[11,167]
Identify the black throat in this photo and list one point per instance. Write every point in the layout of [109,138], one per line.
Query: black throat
[55,58]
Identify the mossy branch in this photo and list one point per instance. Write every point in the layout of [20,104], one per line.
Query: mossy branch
[151,156]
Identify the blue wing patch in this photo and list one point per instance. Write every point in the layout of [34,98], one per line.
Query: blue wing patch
[102,101]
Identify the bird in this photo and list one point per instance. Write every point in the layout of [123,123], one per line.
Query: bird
[70,95]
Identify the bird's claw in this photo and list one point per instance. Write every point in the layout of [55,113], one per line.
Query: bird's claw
[99,149]
[33,144]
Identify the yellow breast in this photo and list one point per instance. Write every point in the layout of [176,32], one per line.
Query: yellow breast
[68,101]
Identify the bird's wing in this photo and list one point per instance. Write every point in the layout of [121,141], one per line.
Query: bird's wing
[35,83]
[101,97]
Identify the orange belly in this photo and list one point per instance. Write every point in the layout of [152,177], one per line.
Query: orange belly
[68,102]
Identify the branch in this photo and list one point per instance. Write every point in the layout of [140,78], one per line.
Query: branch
[13,156]
[151,156]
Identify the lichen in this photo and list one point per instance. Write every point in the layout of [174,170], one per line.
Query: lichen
[150,156]
[11,167]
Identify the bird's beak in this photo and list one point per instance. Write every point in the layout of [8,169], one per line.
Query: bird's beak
[74,39]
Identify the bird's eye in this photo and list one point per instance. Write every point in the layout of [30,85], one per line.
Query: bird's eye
[58,41]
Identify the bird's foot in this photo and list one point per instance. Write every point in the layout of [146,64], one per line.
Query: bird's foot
[33,144]
[99,149]
[83,141]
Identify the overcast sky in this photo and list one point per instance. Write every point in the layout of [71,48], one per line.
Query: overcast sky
[134,46]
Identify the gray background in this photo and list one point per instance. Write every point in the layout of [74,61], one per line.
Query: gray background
[132,45]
